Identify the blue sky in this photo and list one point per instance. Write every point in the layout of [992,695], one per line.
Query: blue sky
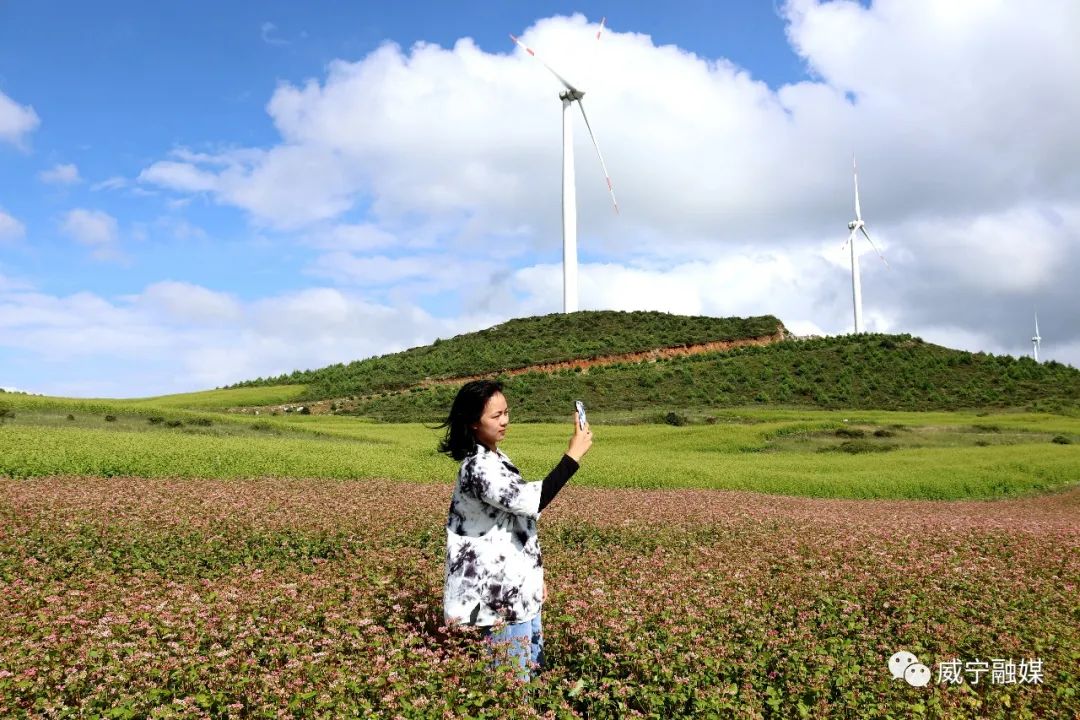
[198,193]
[140,79]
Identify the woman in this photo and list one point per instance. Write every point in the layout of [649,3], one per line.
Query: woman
[494,572]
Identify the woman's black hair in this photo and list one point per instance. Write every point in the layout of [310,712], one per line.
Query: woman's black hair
[468,406]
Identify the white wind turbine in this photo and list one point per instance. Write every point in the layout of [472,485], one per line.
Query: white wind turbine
[1036,340]
[855,226]
[569,196]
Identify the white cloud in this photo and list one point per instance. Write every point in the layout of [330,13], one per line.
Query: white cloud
[188,303]
[179,176]
[266,184]
[435,273]
[10,284]
[715,157]
[10,228]
[1016,250]
[79,325]
[355,237]
[16,121]
[270,190]
[740,282]
[167,227]
[965,102]
[372,270]
[94,228]
[176,336]
[61,174]
[963,338]
[113,183]
[181,229]
[224,158]
[268,31]
[186,337]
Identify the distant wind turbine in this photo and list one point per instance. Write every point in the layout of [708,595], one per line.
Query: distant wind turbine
[1036,340]
[569,196]
[855,226]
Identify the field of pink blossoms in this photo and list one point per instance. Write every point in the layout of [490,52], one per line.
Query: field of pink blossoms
[129,597]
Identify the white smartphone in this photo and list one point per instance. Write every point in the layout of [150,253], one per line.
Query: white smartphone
[580,413]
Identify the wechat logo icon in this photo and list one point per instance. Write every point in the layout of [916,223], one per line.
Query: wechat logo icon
[905,665]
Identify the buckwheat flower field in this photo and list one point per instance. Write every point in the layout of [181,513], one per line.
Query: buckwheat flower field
[168,597]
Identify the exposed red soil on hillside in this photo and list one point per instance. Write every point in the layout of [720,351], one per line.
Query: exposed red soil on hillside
[654,354]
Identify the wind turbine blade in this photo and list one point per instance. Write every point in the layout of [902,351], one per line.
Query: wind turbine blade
[1036,323]
[610,187]
[863,228]
[532,52]
[591,76]
[855,172]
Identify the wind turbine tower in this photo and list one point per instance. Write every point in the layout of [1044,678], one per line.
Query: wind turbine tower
[1036,340]
[857,225]
[568,97]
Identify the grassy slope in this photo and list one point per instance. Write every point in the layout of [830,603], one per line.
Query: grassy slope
[787,453]
[520,343]
[217,399]
[869,371]
[181,403]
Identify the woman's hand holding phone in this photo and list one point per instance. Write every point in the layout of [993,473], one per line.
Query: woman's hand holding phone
[581,440]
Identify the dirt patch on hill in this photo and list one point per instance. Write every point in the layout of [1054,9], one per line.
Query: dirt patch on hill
[321,407]
[586,363]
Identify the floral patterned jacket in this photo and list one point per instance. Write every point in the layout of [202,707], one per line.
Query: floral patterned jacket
[494,569]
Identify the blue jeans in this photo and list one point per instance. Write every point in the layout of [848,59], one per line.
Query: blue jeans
[526,641]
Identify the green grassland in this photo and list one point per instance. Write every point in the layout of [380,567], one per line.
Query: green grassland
[864,454]
[521,343]
[182,402]
[218,399]
[886,416]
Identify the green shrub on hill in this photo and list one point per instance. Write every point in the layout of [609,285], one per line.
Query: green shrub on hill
[521,343]
[858,372]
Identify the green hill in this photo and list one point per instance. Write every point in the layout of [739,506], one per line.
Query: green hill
[522,343]
[883,372]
